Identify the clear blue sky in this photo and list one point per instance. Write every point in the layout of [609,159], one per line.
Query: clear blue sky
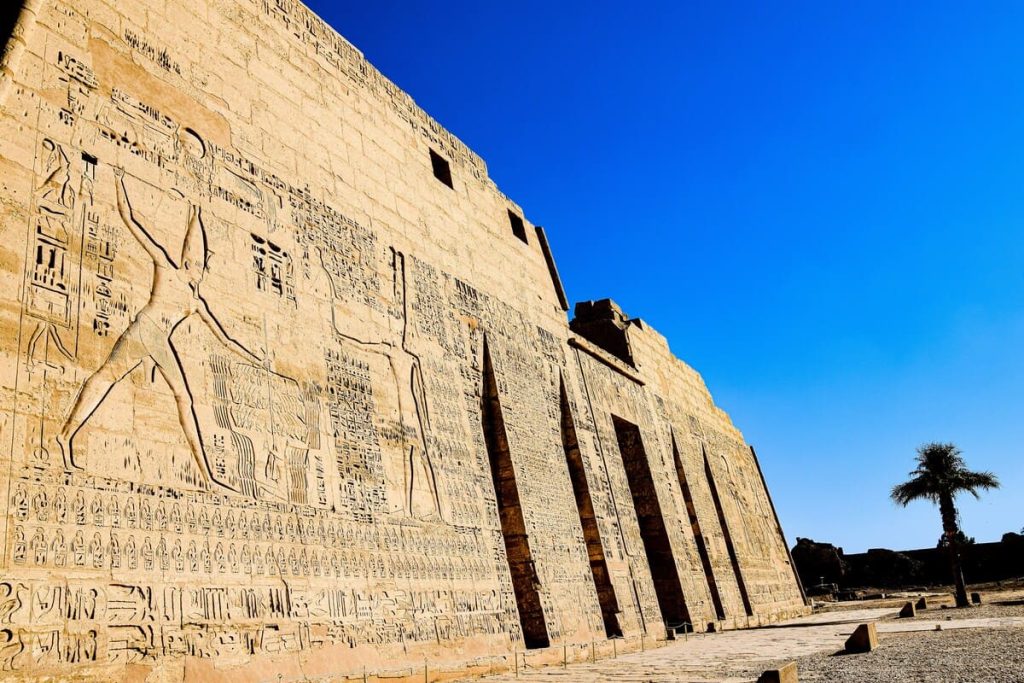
[821,205]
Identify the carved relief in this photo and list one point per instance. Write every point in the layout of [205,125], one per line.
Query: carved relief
[419,491]
[174,297]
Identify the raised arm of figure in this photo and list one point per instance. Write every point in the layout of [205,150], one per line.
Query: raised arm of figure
[222,336]
[380,346]
[140,231]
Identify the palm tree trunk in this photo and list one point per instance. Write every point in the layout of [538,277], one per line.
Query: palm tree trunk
[952,542]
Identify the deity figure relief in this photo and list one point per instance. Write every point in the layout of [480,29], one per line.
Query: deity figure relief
[57,184]
[174,297]
[420,496]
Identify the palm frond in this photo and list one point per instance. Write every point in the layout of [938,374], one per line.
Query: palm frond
[920,487]
[941,471]
[972,482]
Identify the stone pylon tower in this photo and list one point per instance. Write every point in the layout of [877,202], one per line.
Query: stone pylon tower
[287,385]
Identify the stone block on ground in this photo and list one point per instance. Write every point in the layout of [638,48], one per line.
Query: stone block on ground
[863,639]
[922,603]
[975,598]
[908,611]
[784,674]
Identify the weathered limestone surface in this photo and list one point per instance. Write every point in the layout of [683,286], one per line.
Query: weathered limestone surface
[277,401]
[784,674]
[863,639]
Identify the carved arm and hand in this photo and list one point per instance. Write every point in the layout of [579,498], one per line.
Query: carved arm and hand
[222,336]
[138,230]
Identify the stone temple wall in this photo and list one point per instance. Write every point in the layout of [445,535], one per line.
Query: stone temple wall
[287,388]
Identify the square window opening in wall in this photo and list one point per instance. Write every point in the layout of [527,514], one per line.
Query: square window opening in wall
[518,228]
[442,169]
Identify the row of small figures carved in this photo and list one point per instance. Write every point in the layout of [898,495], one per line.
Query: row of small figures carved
[42,549]
[105,509]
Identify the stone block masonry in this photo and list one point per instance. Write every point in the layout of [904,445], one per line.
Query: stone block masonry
[287,388]
[784,674]
[863,639]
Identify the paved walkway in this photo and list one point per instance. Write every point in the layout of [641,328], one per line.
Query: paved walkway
[740,656]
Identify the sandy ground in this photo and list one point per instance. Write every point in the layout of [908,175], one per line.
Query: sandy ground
[971,655]
[976,645]
[961,656]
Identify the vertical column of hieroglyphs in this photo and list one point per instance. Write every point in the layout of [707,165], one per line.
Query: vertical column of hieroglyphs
[527,361]
[607,597]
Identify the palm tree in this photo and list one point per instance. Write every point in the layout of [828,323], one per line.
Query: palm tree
[941,474]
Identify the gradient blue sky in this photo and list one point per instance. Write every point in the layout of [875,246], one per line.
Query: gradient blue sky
[819,204]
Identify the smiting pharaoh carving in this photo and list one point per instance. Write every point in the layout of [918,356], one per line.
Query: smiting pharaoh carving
[419,478]
[174,297]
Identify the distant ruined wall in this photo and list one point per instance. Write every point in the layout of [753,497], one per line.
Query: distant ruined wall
[287,388]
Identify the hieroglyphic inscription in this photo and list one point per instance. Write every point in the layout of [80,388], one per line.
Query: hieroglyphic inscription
[263,438]
[273,268]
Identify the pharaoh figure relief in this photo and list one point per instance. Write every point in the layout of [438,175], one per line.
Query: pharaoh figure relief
[174,297]
[418,488]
